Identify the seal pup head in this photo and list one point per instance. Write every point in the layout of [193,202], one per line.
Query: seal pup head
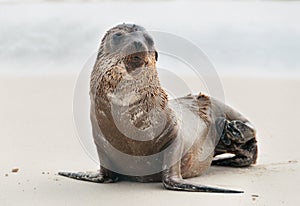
[125,69]
[125,85]
[130,44]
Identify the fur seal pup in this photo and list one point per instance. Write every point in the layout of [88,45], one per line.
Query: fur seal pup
[132,116]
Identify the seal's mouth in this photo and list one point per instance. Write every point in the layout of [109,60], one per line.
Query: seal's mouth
[136,60]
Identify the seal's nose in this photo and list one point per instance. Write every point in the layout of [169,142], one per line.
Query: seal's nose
[138,45]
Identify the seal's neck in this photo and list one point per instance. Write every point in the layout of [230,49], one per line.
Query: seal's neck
[139,89]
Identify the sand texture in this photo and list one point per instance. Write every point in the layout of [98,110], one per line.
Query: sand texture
[38,139]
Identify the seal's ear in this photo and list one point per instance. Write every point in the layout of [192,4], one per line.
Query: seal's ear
[99,53]
[156,55]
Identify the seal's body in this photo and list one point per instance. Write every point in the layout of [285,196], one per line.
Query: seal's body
[141,136]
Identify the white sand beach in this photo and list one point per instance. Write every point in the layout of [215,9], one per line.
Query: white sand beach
[38,137]
[254,46]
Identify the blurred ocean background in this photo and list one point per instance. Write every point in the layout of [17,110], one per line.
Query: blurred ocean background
[247,38]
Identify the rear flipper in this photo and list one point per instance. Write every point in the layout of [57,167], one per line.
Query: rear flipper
[237,138]
[245,155]
[236,161]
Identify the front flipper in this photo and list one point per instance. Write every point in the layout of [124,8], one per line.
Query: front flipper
[181,185]
[88,176]
[171,175]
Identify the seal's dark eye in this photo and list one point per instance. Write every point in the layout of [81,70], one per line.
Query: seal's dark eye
[117,36]
[149,40]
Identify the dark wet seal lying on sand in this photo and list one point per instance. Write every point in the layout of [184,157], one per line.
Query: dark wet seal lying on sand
[131,113]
